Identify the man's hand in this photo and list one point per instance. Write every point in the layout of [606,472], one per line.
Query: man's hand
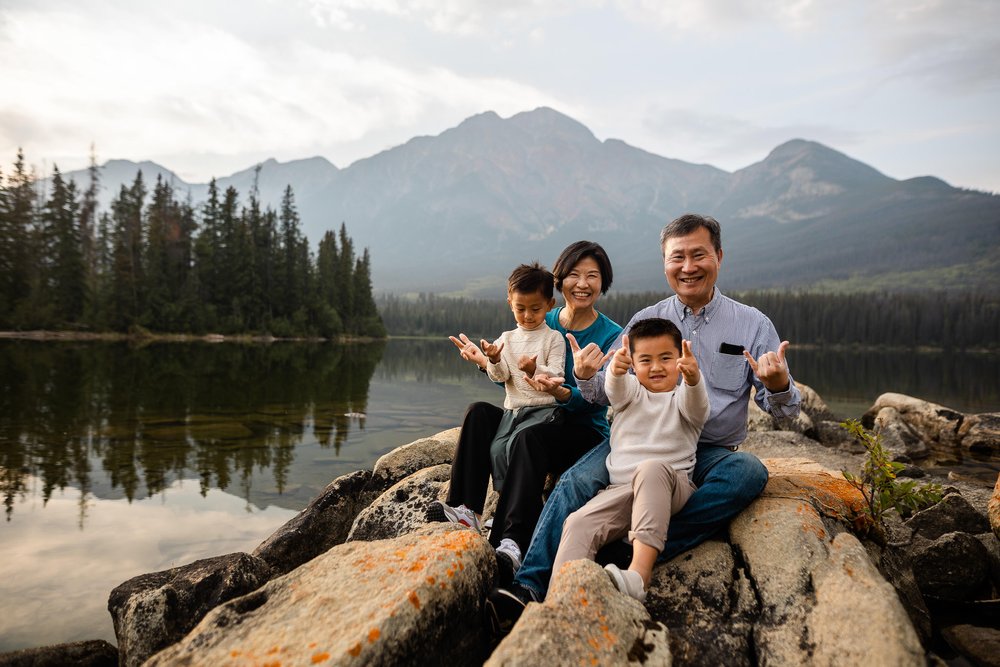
[527,364]
[621,361]
[586,361]
[469,350]
[491,351]
[771,368]
[687,364]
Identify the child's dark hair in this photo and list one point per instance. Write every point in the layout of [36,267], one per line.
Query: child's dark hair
[654,327]
[575,252]
[531,278]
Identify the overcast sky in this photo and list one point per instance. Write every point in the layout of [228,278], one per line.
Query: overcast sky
[204,87]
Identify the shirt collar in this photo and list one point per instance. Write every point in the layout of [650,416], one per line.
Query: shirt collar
[708,311]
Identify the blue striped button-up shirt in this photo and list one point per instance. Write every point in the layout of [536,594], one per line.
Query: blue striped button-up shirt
[718,334]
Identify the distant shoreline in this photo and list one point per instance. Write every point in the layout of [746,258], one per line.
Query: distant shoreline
[148,337]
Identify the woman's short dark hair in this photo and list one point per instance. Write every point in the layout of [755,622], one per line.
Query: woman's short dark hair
[572,255]
[653,327]
[690,223]
[530,278]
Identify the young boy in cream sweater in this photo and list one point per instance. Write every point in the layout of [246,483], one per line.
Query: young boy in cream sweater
[654,437]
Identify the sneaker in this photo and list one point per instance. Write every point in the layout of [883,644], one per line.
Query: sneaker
[439,511]
[508,556]
[503,607]
[627,581]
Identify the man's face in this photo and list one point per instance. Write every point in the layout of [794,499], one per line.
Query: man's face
[691,265]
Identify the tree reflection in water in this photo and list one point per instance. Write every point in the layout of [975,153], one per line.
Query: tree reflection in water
[137,418]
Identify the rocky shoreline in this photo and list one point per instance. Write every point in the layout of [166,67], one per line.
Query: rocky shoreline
[358,577]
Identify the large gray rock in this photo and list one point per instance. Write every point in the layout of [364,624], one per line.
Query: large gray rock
[981,433]
[812,404]
[413,457]
[152,611]
[707,603]
[92,653]
[993,508]
[412,600]
[584,621]
[758,420]
[822,602]
[323,524]
[953,514]
[954,567]
[898,437]
[981,645]
[935,424]
[402,507]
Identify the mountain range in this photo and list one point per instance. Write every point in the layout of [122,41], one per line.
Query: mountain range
[454,213]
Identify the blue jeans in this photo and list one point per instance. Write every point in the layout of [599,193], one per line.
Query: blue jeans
[727,482]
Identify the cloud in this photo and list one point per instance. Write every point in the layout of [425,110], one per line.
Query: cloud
[714,15]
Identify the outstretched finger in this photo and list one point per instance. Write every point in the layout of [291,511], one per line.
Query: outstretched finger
[781,351]
[753,362]
[573,345]
[625,345]
[686,349]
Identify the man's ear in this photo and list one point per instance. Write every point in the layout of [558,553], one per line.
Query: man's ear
[719,255]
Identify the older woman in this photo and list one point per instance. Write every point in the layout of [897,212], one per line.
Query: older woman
[583,273]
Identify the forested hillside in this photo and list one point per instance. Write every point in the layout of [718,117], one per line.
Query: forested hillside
[158,262]
[955,321]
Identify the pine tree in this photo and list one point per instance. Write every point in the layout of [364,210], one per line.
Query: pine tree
[65,275]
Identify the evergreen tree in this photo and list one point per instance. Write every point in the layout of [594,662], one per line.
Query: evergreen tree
[16,240]
[65,273]
[127,274]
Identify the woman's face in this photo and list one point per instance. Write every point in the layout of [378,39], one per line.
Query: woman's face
[582,286]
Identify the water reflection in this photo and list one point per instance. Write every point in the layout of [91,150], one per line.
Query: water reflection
[146,417]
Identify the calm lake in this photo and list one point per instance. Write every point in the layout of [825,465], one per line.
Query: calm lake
[117,460]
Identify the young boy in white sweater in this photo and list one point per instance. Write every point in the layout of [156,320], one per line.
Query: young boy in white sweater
[654,437]
[532,349]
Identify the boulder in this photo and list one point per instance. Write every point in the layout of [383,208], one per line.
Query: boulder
[830,433]
[402,507]
[981,433]
[92,653]
[812,404]
[953,514]
[413,457]
[411,600]
[584,621]
[981,645]
[935,424]
[323,524]
[993,508]
[707,603]
[821,599]
[953,567]
[152,611]
[898,437]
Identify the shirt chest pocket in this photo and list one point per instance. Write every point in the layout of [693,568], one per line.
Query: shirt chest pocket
[729,372]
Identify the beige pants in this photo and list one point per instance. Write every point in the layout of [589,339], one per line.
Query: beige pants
[656,493]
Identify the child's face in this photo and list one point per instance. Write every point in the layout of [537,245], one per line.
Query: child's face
[529,309]
[655,363]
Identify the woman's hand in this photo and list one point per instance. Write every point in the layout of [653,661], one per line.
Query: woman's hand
[588,360]
[469,350]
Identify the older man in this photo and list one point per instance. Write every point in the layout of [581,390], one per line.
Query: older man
[737,348]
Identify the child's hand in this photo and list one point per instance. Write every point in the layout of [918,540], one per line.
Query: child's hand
[688,364]
[491,351]
[621,361]
[527,364]
[468,350]
[546,383]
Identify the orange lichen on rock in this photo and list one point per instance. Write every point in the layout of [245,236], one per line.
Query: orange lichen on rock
[355,650]
[431,580]
[373,635]
[414,600]
[320,657]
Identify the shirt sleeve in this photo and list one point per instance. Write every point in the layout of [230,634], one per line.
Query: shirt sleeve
[783,404]
[694,406]
[555,355]
[499,372]
[621,390]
